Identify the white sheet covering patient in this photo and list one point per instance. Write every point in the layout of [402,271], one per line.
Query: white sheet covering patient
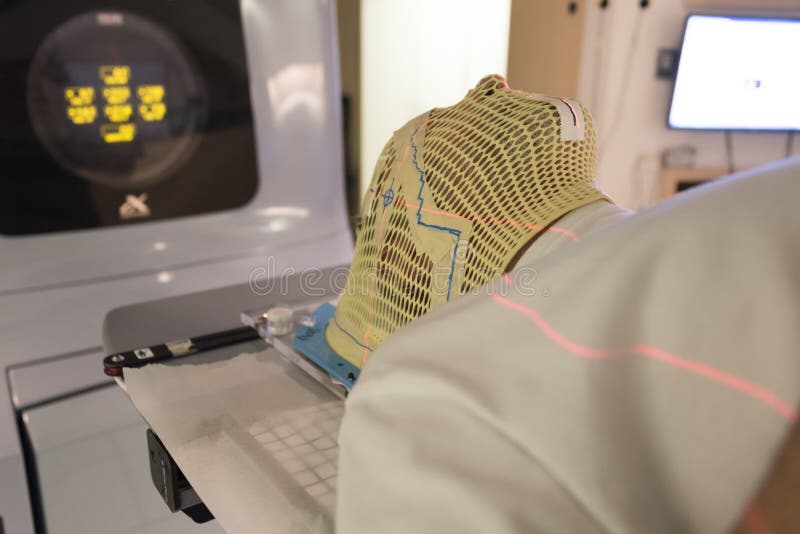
[644,380]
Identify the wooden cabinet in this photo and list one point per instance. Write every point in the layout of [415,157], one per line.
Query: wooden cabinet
[544,49]
[678,179]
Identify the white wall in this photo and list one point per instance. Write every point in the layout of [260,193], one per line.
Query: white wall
[617,81]
[420,54]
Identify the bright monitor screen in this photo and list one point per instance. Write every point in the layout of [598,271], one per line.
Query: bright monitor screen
[737,74]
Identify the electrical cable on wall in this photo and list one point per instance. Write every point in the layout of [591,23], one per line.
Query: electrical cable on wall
[638,190]
[729,151]
[619,104]
[644,182]
[598,62]
[626,73]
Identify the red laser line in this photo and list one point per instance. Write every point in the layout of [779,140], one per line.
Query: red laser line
[759,393]
[365,354]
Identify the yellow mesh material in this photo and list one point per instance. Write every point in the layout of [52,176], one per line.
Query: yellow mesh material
[455,195]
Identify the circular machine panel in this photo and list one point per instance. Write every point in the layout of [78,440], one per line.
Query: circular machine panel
[117,116]
[115,99]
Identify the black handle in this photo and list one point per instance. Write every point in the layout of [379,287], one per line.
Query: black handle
[115,363]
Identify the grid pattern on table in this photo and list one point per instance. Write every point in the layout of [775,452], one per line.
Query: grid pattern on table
[304,442]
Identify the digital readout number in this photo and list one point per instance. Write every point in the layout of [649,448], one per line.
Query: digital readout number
[117,102]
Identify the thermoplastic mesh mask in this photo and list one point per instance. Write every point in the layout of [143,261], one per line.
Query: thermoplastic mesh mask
[456,194]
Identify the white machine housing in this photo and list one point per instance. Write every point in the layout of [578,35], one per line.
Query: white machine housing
[55,289]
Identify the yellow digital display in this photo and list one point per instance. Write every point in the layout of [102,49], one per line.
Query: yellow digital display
[150,94]
[79,96]
[111,97]
[152,112]
[82,114]
[118,133]
[115,74]
[152,107]
[118,112]
[122,103]
[117,94]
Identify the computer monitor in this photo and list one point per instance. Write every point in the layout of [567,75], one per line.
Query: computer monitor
[737,73]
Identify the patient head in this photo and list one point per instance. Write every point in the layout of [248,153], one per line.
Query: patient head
[456,195]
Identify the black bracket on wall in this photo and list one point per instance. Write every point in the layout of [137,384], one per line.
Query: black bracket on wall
[667,63]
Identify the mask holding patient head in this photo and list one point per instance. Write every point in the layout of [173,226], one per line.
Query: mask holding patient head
[456,195]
